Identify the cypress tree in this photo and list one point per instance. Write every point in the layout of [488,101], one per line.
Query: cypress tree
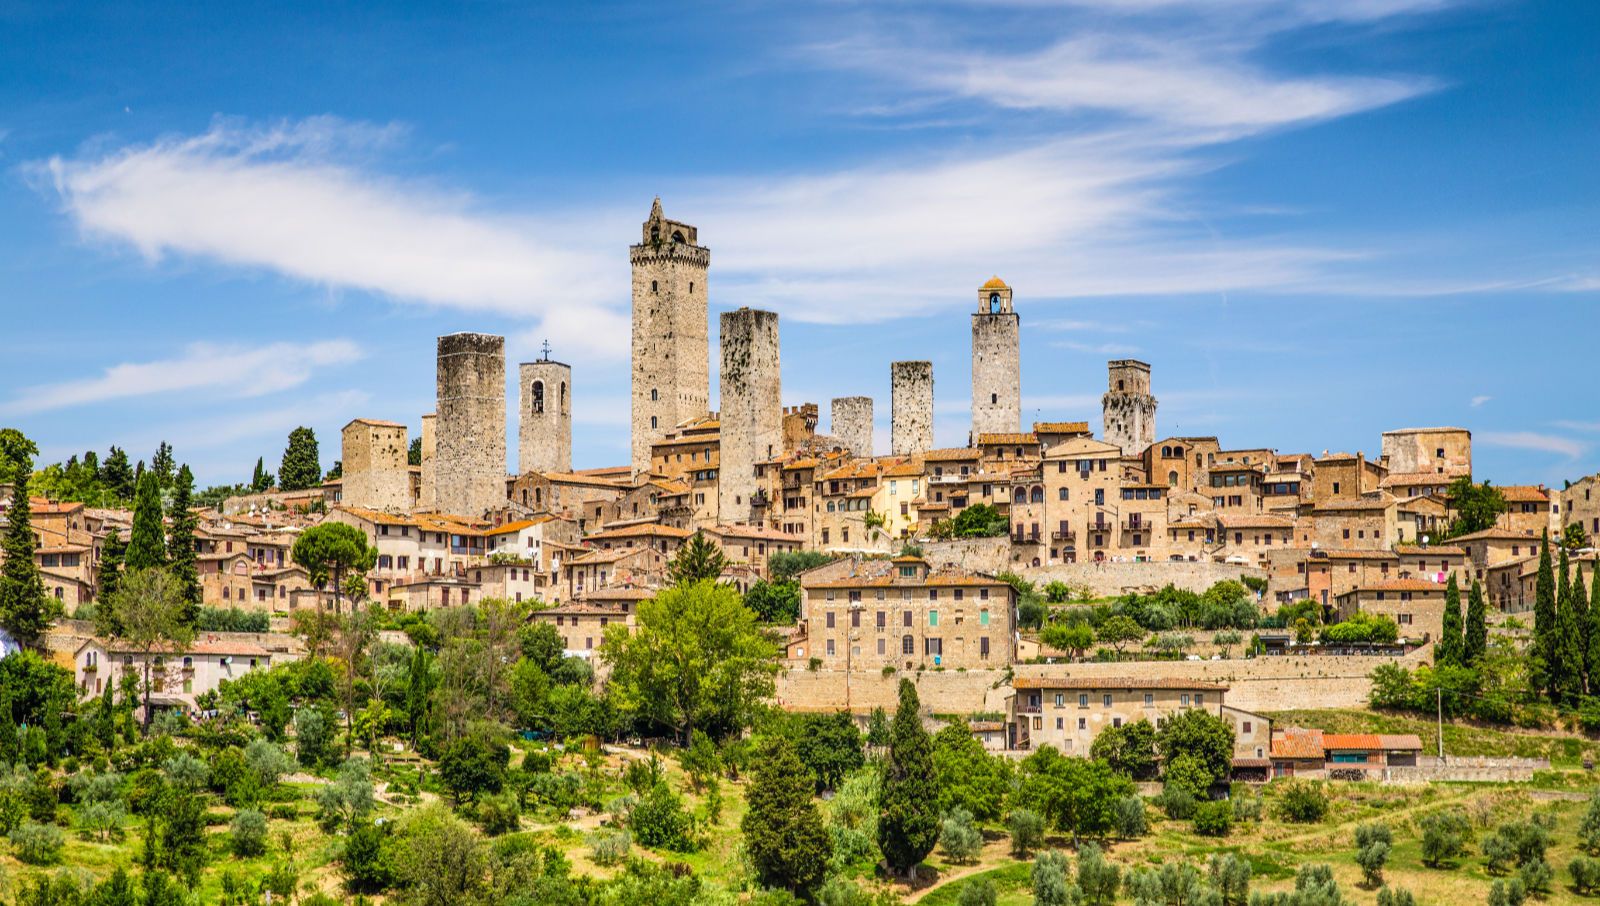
[262,479]
[1475,639]
[110,572]
[908,820]
[1569,639]
[25,610]
[1559,668]
[302,466]
[1450,644]
[1544,621]
[1580,615]
[787,842]
[116,474]
[1592,657]
[180,546]
[147,545]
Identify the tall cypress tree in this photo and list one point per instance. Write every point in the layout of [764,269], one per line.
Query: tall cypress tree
[147,546]
[25,610]
[110,572]
[1580,615]
[262,479]
[783,834]
[180,546]
[1544,621]
[1569,639]
[1592,656]
[1475,638]
[1448,650]
[302,466]
[908,820]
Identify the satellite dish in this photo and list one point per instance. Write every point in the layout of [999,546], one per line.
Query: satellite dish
[1424,540]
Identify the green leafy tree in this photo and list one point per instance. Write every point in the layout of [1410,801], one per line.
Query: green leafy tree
[1580,618]
[1544,623]
[785,565]
[1073,638]
[1098,877]
[25,610]
[981,520]
[473,765]
[908,822]
[301,467]
[149,616]
[1444,837]
[1574,538]
[1052,884]
[1076,795]
[695,660]
[117,474]
[829,745]
[1591,658]
[699,559]
[1451,645]
[147,545]
[1201,735]
[1118,631]
[1373,843]
[1475,636]
[967,776]
[783,833]
[1569,643]
[1026,827]
[414,452]
[959,836]
[329,550]
[1130,749]
[774,602]
[180,542]
[1476,506]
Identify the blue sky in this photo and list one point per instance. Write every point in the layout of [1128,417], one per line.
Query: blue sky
[1317,220]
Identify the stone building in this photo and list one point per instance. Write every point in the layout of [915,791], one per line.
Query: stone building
[428,497]
[671,353]
[852,423]
[1129,409]
[1068,712]
[1580,504]
[1442,451]
[373,454]
[911,404]
[996,363]
[470,442]
[751,408]
[544,421]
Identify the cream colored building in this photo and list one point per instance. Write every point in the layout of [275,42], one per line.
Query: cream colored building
[1069,712]
[177,679]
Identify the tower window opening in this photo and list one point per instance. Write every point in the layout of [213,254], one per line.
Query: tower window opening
[654,394]
[538,397]
[677,236]
[994,398]
[691,287]
[562,400]
[1119,385]
[652,422]
[994,303]
[653,286]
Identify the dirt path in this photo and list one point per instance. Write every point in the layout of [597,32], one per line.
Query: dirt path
[995,854]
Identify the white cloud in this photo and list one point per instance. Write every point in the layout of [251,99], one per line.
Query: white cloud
[1532,440]
[208,369]
[1478,401]
[1097,348]
[299,199]
[1578,426]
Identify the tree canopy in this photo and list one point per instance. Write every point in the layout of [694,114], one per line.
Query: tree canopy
[301,468]
[699,559]
[328,550]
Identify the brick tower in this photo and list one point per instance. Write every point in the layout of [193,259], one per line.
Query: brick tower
[671,352]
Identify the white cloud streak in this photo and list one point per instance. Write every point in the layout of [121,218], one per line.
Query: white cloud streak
[1479,400]
[211,370]
[1533,440]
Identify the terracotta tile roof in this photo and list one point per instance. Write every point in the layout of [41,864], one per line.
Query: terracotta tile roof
[994,283]
[1407,479]
[1400,741]
[1495,534]
[1361,505]
[578,608]
[579,478]
[1297,742]
[910,469]
[985,440]
[1261,520]
[1400,585]
[753,531]
[1523,493]
[949,454]
[1114,682]
[985,726]
[378,422]
[519,525]
[1060,428]
[1359,555]
[645,530]
[1417,550]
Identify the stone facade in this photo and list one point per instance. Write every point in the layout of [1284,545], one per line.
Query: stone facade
[996,363]
[911,403]
[1442,451]
[852,423]
[373,457]
[428,499]
[1129,409]
[544,421]
[470,455]
[671,351]
[752,408]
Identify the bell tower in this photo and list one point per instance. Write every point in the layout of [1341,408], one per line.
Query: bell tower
[671,351]
[996,363]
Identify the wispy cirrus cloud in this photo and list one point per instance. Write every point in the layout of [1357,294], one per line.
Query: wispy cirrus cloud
[1578,426]
[1533,440]
[1479,400]
[210,369]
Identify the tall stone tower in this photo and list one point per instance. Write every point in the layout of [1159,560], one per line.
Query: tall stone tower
[671,353]
[428,496]
[373,457]
[996,363]
[470,441]
[751,409]
[544,419]
[1129,409]
[911,405]
[852,423]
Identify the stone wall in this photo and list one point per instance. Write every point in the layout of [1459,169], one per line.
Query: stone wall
[851,423]
[991,555]
[911,405]
[428,499]
[671,344]
[544,417]
[373,459]
[751,408]
[470,455]
[941,691]
[996,374]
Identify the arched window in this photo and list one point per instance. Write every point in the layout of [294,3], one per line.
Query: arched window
[1061,493]
[653,286]
[1166,451]
[654,394]
[1021,496]
[677,236]
[1037,495]
[652,422]
[538,397]
[994,303]
[1172,479]
[908,645]
[1178,452]
[655,234]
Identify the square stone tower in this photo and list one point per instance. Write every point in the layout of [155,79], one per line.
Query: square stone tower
[671,351]
[751,410]
[911,405]
[428,496]
[996,363]
[852,423]
[373,457]
[470,434]
[1129,409]
[544,419]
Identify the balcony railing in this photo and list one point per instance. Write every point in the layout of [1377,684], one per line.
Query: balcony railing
[1025,708]
[1063,536]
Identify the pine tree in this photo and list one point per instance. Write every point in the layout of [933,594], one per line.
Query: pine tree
[908,820]
[1449,648]
[301,467]
[698,559]
[110,572]
[25,610]
[1544,622]
[162,464]
[783,833]
[147,546]
[180,546]
[1475,638]
[1569,639]
[117,475]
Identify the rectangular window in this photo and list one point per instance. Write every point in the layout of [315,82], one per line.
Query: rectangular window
[1061,723]
[881,649]
[905,618]
[1184,699]
[1083,699]
[830,648]
[1061,699]
[829,619]
[933,618]
[983,647]
[1083,723]
[1105,700]
[1149,699]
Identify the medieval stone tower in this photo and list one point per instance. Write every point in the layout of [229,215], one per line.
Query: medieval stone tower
[470,434]
[911,405]
[671,354]
[373,456]
[428,497]
[544,420]
[1129,409]
[751,410]
[852,423]
[996,363]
